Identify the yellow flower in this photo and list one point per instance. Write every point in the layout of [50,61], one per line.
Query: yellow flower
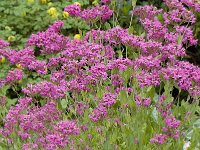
[52,11]
[30,1]
[46,70]
[77,3]
[11,38]
[77,36]
[3,59]
[65,14]
[44,1]
[19,66]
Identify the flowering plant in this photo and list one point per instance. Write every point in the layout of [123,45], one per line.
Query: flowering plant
[107,89]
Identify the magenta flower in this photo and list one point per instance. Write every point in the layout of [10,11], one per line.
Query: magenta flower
[3,44]
[108,100]
[105,1]
[193,4]
[98,113]
[146,102]
[46,89]
[171,122]
[67,128]
[73,10]
[102,13]
[146,12]
[55,140]
[159,139]
[14,75]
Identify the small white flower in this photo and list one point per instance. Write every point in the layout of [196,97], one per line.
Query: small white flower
[186,145]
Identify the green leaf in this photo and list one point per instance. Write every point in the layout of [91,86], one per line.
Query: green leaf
[155,115]
[131,30]
[64,103]
[197,123]
[107,26]
[188,134]
[134,3]
[179,39]
[11,102]
[160,17]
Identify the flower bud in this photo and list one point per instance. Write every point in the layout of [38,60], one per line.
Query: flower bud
[11,38]
[77,37]
[52,12]
[77,3]
[3,59]
[65,14]
[43,1]
[19,66]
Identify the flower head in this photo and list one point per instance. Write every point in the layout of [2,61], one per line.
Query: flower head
[2,59]
[77,37]
[73,10]
[65,14]
[77,3]
[52,12]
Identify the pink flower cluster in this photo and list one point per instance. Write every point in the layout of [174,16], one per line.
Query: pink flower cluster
[49,41]
[76,66]
[108,100]
[26,59]
[159,139]
[73,10]
[3,44]
[46,89]
[14,75]
[148,12]
[38,121]
[145,102]
[105,1]
[171,128]
[185,74]
[193,4]
[101,13]
[178,13]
